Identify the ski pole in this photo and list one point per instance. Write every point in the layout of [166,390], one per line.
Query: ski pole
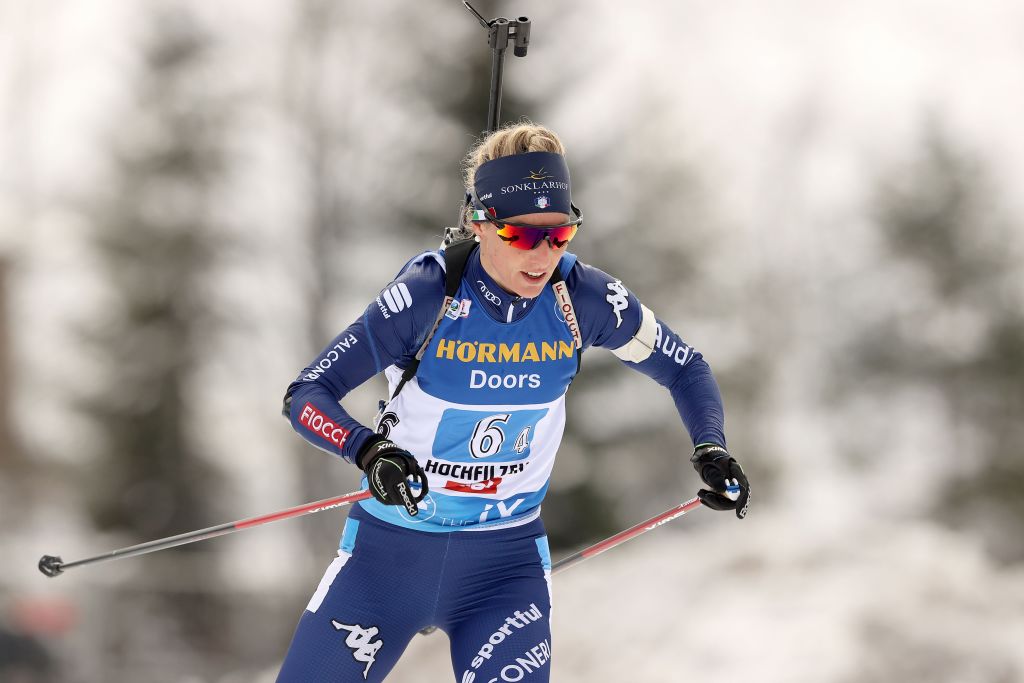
[732,491]
[623,536]
[53,566]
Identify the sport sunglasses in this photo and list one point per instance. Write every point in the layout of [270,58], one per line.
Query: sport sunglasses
[528,237]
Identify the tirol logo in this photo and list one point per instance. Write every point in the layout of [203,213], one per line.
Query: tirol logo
[360,641]
[542,202]
[538,175]
[458,309]
[618,299]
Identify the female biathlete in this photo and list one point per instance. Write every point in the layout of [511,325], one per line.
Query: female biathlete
[479,342]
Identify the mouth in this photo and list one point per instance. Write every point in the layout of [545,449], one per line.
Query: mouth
[533,276]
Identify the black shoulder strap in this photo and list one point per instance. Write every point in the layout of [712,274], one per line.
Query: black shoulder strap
[455,258]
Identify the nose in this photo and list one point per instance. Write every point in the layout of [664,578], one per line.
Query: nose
[543,258]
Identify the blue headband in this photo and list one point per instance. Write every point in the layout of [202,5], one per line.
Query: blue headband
[533,182]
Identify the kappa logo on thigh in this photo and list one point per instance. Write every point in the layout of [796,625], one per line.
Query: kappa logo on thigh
[360,641]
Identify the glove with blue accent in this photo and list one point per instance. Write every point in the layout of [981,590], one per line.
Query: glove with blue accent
[388,468]
[720,471]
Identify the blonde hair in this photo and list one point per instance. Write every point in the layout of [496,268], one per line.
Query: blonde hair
[512,138]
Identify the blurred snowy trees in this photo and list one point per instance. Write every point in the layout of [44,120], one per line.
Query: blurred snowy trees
[157,242]
[955,328]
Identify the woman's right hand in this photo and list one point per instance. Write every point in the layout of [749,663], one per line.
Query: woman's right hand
[388,468]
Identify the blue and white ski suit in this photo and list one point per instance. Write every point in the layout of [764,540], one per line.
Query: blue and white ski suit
[484,417]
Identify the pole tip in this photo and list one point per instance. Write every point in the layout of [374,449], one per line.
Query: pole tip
[50,565]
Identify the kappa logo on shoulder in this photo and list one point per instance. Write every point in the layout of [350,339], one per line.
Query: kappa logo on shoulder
[619,300]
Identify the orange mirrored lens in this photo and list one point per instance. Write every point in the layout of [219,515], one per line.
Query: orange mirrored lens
[527,237]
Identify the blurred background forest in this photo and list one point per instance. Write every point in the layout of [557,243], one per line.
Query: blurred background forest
[823,198]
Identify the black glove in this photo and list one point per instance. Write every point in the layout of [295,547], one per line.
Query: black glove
[387,468]
[720,470]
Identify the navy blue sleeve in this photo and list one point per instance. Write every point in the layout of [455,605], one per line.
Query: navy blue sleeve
[684,372]
[389,332]
[610,315]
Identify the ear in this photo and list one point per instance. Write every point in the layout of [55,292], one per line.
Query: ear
[478,229]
